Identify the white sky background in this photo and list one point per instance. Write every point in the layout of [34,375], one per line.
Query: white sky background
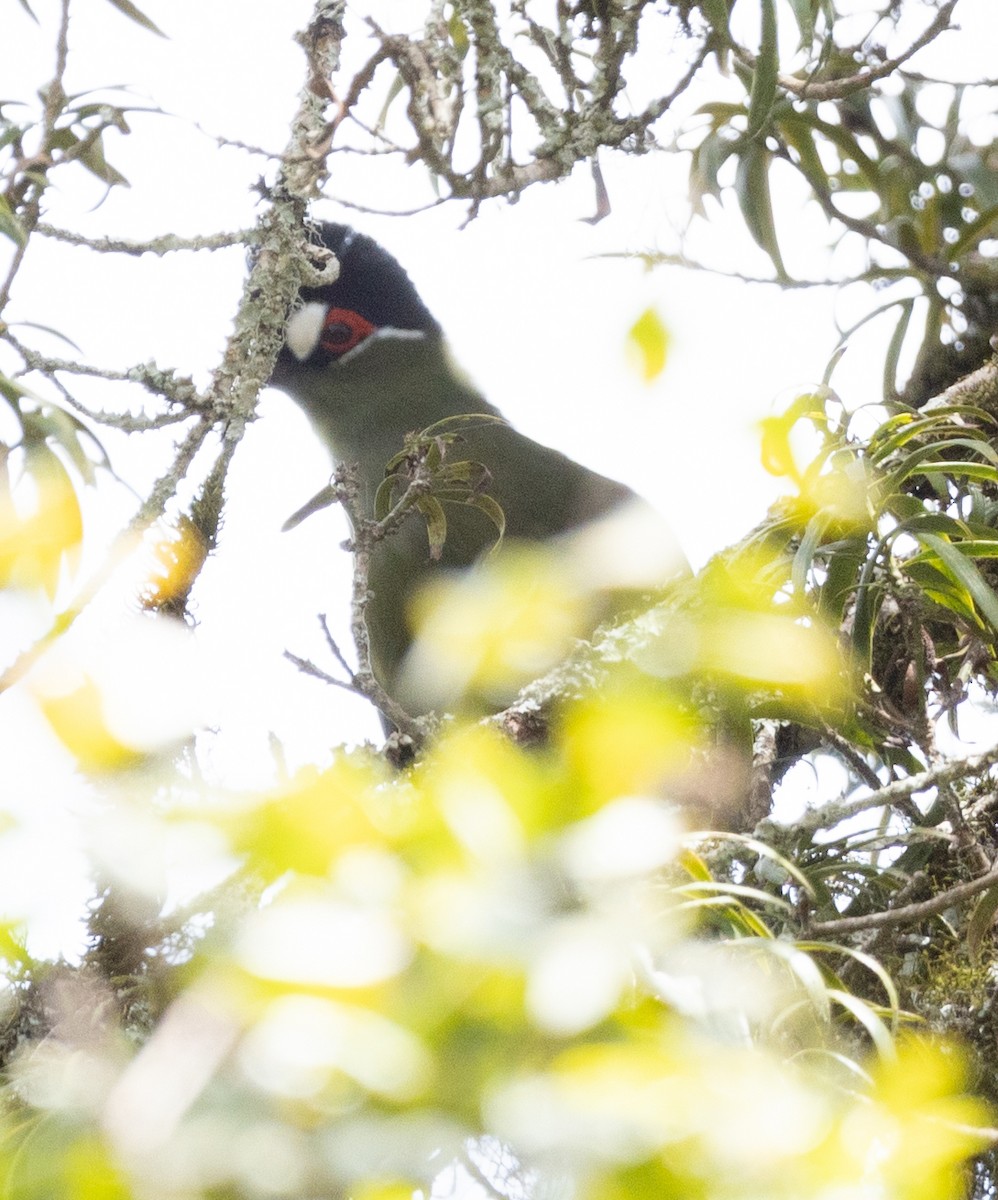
[532,315]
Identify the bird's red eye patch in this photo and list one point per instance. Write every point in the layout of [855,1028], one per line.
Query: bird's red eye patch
[344,329]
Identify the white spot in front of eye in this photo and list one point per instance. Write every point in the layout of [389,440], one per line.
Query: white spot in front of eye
[304,328]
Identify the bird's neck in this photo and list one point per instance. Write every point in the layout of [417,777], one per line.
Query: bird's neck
[365,404]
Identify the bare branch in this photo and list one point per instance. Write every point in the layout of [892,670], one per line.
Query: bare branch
[159,245]
[832,814]
[908,913]
[838,89]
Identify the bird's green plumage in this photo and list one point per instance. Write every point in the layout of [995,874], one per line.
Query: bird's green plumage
[401,380]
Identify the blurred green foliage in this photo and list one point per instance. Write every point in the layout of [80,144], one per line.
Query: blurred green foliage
[517,966]
[522,971]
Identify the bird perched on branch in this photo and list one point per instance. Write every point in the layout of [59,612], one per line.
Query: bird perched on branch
[368,363]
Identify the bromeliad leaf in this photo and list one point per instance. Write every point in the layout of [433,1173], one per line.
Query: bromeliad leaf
[493,510]
[436,524]
[980,922]
[451,427]
[461,478]
[965,571]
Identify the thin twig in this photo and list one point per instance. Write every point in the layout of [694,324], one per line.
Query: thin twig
[27,203]
[908,913]
[829,815]
[838,89]
[166,244]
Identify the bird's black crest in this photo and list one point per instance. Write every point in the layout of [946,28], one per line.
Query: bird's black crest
[371,283]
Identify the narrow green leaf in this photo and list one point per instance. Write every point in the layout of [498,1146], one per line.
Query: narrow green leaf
[128,9]
[721,110]
[865,614]
[391,467]
[866,1015]
[894,349]
[755,201]
[939,586]
[12,390]
[493,510]
[464,477]
[10,226]
[842,568]
[966,572]
[705,166]
[436,524]
[833,361]
[943,524]
[50,330]
[867,960]
[64,429]
[804,558]
[903,507]
[452,426]
[958,469]
[767,66]
[693,864]
[923,461]
[906,426]
[803,11]
[974,233]
[759,847]
[322,499]
[847,144]
[977,547]
[92,157]
[805,970]
[383,497]
[716,12]
[394,91]
[981,920]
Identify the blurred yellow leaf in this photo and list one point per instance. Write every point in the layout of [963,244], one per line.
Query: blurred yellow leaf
[772,648]
[626,743]
[312,937]
[64,1161]
[178,554]
[841,493]
[775,449]
[115,697]
[78,719]
[491,797]
[494,628]
[40,524]
[649,340]
[344,1040]
[917,1129]
[315,818]
[386,1190]
[795,435]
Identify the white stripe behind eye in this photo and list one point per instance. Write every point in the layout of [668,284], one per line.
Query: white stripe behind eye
[387,334]
[304,328]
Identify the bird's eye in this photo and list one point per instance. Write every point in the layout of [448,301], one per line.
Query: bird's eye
[344,329]
[337,334]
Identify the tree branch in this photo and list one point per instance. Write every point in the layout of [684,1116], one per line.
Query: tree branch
[908,913]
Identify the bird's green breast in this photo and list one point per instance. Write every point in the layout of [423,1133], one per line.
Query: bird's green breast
[364,405]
